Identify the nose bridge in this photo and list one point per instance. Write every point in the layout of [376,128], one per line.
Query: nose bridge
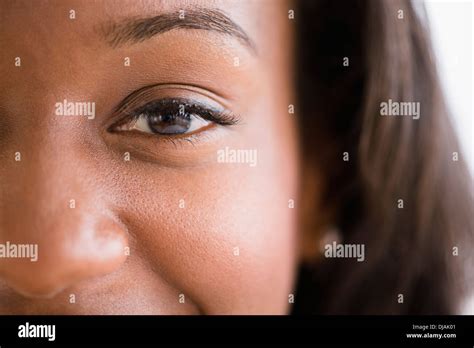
[45,202]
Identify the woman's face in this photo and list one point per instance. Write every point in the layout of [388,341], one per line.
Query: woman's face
[183,188]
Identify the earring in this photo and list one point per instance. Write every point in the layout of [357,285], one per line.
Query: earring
[332,234]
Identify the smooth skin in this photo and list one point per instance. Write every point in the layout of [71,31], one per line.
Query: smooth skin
[136,207]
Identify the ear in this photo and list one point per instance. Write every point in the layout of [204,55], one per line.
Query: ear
[314,218]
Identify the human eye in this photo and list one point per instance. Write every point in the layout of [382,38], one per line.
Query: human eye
[174,117]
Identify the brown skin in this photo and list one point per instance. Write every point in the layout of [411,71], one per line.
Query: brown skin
[173,250]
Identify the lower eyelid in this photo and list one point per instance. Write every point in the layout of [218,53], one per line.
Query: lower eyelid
[156,146]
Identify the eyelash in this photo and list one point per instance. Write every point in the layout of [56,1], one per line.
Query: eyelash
[172,106]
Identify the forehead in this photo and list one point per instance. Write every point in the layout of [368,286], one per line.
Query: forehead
[50,20]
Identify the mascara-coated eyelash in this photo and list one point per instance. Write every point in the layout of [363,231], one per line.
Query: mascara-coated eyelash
[173,117]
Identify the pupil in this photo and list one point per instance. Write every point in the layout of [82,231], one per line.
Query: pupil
[169,123]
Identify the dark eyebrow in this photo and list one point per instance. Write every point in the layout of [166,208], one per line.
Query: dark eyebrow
[137,30]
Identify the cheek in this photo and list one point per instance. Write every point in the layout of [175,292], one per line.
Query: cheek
[223,234]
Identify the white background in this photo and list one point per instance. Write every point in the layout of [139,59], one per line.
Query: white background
[452,35]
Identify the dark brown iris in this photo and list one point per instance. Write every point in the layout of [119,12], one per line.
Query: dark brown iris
[169,123]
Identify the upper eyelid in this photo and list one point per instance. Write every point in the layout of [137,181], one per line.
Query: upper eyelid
[174,102]
[147,91]
[219,116]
